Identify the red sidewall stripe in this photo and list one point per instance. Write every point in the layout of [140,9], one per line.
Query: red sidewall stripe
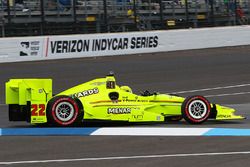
[76,111]
[207,105]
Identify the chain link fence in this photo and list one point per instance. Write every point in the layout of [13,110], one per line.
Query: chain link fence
[51,17]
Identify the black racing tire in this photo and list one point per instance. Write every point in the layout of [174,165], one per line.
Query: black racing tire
[196,109]
[64,111]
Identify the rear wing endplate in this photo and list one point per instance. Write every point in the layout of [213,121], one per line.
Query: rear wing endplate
[21,91]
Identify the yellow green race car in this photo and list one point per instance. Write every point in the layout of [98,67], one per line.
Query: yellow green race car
[31,100]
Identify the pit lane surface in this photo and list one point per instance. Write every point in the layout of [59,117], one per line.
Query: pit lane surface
[162,72]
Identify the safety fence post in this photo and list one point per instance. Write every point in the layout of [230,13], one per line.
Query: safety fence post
[135,12]
[8,11]
[187,13]
[42,17]
[161,15]
[74,11]
[212,12]
[235,12]
[106,25]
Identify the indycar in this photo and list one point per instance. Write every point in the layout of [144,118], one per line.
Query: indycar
[32,100]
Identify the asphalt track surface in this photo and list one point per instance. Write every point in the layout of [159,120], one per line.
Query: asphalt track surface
[161,72]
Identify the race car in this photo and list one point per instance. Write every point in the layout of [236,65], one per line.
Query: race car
[31,100]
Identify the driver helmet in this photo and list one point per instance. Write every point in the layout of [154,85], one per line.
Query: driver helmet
[126,89]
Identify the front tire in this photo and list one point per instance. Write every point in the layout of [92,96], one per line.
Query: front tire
[64,111]
[196,109]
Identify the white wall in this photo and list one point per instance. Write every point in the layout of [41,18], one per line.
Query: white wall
[72,46]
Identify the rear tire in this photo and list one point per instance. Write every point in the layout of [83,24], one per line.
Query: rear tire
[196,109]
[64,111]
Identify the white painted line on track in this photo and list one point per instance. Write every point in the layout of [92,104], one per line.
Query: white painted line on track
[151,131]
[125,157]
[228,94]
[209,89]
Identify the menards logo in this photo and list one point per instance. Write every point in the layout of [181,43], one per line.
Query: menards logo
[86,93]
[119,110]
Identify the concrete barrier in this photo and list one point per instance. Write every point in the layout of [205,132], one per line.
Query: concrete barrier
[110,44]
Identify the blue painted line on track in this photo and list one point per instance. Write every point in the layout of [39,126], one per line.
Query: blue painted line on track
[89,131]
[46,131]
[227,132]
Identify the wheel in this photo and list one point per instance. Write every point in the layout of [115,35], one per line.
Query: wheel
[196,109]
[173,118]
[64,111]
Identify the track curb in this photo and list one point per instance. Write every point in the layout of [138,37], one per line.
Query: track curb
[131,131]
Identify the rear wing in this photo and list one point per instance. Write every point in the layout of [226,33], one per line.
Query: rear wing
[20,91]
[27,99]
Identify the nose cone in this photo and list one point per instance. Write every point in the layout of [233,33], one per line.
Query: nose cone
[226,113]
